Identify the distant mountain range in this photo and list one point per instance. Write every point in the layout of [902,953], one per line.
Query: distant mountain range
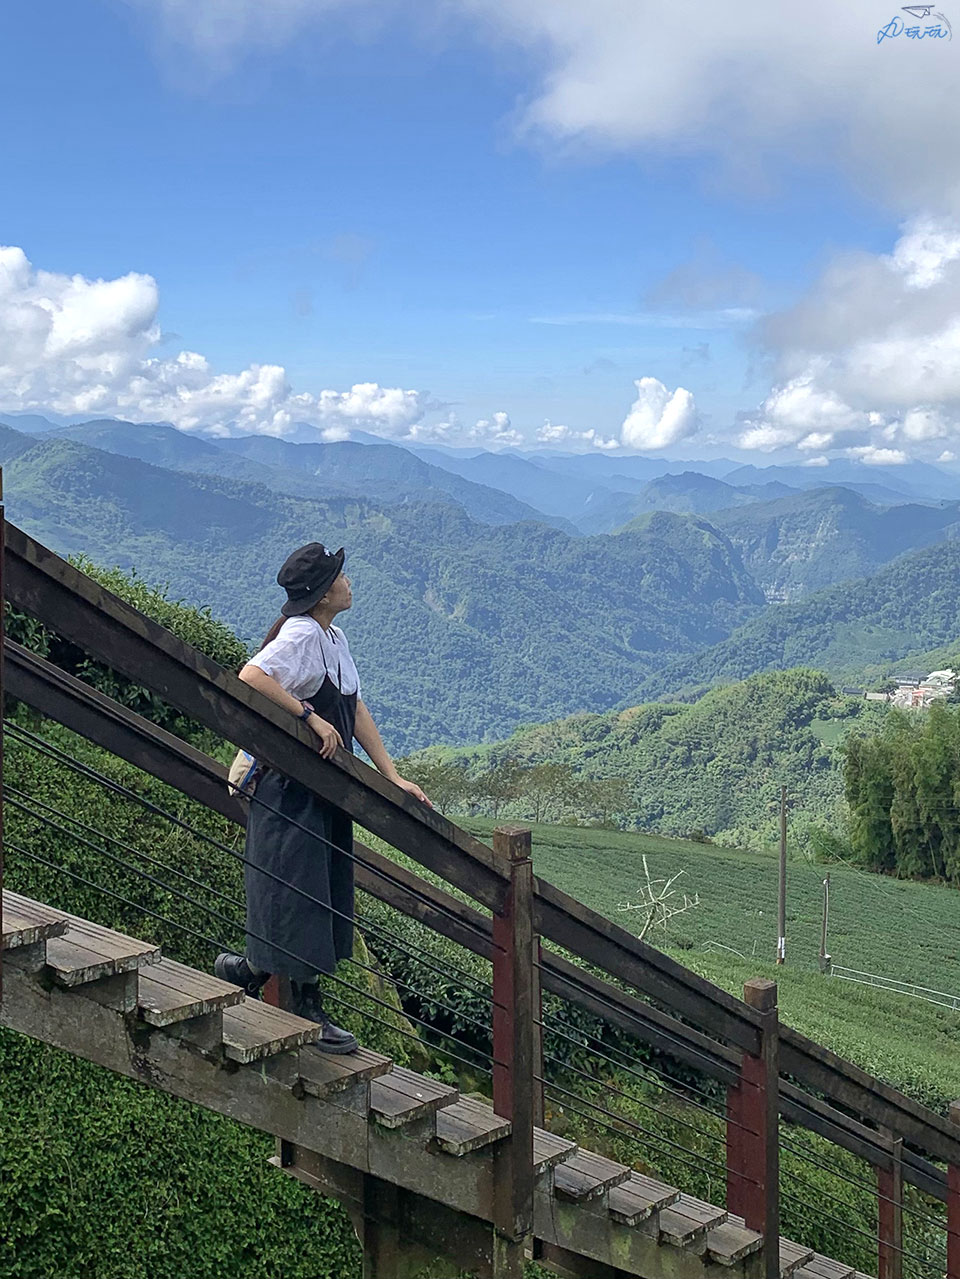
[462,629]
[482,603]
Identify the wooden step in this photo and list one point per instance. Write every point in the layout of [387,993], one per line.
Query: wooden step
[469,1124]
[824,1268]
[687,1222]
[730,1243]
[550,1150]
[587,1176]
[26,922]
[322,1074]
[87,952]
[639,1198]
[254,1030]
[403,1096]
[792,1257]
[169,992]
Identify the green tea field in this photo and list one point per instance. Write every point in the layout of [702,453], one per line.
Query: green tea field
[891,928]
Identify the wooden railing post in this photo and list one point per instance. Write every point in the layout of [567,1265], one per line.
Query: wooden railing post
[753,1150]
[514,1018]
[890,1215]
[953,1207]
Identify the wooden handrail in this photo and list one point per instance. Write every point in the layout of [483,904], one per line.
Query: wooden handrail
[67,700]
[113,632]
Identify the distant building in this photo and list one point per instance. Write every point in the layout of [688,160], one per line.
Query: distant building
[924,691]
[852,692]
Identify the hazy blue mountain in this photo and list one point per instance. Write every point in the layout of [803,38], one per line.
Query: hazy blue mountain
[918,480]
[387,473]
[463,630]
[592,506]
[691,493]
[13,443]
[511,473]
[612,469]
[909,607]
[380,471]
[31,423]
[801,543]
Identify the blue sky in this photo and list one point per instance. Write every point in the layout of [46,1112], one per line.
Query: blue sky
[363,203]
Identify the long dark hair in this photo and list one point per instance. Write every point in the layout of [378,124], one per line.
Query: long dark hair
[273,632]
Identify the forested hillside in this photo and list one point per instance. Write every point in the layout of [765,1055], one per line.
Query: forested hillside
[907,608]
[462,630]
[380,472]
[714,767]
[798,544]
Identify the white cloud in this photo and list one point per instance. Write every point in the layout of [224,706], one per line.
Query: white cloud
[496,430]
[748,85]
[870,359]
[872,456]
[745,86]
[554,433]
[658,417]
[816,440]
[73,345]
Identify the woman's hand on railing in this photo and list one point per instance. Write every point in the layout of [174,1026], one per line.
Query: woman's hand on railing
[330,739]
[412,789]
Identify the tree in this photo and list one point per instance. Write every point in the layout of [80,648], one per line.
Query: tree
[603,796]
[546,786]
[499,785]
[446,784]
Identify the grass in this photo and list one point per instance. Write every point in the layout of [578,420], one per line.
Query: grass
[893,928]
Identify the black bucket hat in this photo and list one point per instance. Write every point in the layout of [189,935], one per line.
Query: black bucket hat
[307,575]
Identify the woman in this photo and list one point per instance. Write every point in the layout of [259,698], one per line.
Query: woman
[305,666]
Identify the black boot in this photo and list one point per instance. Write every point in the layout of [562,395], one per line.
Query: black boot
[308,1003]
[236,970]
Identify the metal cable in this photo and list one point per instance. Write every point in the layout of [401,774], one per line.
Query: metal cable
[871,1188]
[645,1131]
[618,1132]
[551,1029]
[555,1061]
[41,745]
[625,1012]
[218,945]
[232,923]
[209,910]
[846,1225]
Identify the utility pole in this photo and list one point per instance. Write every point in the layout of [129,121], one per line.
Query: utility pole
[824,957]
[782,899]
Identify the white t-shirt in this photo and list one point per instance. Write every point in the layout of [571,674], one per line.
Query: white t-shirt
[303,653]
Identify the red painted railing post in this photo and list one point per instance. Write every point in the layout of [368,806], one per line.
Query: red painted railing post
[890,1215]
[953,1207]
[514,1031]
[753,1151]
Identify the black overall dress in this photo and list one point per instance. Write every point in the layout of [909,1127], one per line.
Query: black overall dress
[289,934]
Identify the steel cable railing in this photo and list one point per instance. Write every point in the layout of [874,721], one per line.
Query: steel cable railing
[39,744]
[709,1106]
[433,1030]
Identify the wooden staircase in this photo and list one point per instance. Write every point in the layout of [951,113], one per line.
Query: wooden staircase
[115,1000]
